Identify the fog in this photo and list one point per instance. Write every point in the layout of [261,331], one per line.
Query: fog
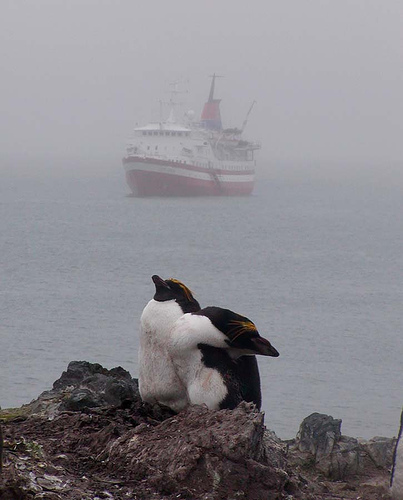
[77,75]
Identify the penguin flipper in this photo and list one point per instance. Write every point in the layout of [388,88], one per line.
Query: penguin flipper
[225,368]
[249,379]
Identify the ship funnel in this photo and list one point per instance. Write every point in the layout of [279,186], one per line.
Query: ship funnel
[211,116]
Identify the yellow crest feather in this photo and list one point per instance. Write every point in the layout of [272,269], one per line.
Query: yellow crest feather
[187,291]
[241,328]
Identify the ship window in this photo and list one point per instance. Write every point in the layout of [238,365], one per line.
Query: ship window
[148,147]
[144,133]
[156,147]
[155,133]
[150,133]
[173,133]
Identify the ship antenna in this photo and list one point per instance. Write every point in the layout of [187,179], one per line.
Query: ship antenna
[172,102]
[247,116]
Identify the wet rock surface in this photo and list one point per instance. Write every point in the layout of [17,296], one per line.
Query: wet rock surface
[341,457]
[91,437]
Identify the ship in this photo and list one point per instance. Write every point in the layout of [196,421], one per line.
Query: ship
[191,158]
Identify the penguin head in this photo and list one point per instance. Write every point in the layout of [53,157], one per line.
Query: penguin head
[173,289]
[240,333]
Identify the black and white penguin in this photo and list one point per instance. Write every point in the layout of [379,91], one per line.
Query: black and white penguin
[396,481]
[1,449]
[158,381]
[209,350]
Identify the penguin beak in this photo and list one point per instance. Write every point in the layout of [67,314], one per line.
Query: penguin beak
[263,347]
[159,281]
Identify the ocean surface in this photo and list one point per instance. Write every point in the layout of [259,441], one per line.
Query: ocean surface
[317,265]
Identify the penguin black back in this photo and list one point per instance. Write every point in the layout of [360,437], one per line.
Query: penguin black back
[240,373]
[249,377]
[240,331]
[219,360]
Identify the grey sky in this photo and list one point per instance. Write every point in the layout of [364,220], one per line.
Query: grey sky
[76,75]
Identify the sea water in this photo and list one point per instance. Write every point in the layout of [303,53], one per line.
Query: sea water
[318,266]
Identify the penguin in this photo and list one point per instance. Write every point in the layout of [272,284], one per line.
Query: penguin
[396,481]
[209,350]
[158,381]
[1,449]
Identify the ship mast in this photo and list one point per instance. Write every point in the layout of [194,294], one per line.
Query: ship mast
[212,87]
[172,103]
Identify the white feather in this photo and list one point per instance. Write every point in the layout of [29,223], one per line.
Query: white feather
[158,381]
[203,385]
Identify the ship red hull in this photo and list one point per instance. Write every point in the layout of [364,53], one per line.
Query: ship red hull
[146,179]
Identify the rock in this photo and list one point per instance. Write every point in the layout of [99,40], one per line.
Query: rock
[318,434]
[83,385]
[208,454]
[340,457]
[80,399]
[380,450]
[95,386]
[344,460]
[91,437]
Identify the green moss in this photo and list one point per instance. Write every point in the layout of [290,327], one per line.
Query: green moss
[25,447]
[34,449]
[10,414]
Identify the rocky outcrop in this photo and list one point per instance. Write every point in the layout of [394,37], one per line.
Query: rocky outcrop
[84,385]
[341,457]
[204,454]
[91,437]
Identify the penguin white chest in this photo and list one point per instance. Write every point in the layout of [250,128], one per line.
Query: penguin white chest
[158,381]
[204,385]
[207,387]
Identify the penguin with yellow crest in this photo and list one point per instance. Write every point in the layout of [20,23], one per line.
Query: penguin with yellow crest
[190,355]
[213,353]
[158,381]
